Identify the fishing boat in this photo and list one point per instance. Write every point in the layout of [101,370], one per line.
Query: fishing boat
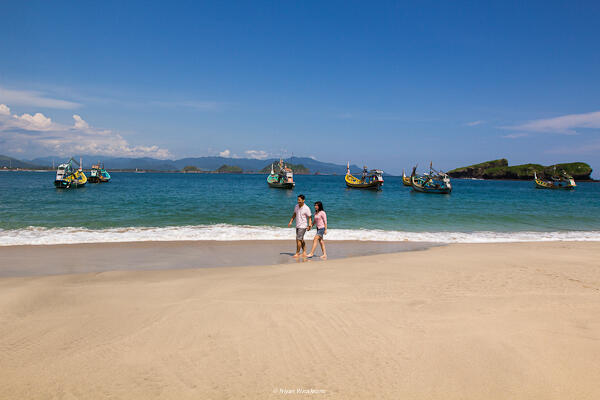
[98,174]
[283,178]
[405,179]
[70,175]
[370,179]
[562,181]
[437,182]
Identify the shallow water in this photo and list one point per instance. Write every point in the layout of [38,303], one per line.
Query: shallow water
[161,206]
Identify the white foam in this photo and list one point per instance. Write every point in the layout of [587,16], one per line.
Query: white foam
[44,236]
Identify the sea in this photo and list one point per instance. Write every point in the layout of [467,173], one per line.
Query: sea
[177,206]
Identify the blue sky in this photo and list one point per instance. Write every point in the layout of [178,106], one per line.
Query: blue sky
[386,84]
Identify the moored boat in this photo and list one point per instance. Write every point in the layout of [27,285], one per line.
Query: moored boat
[283,178]
[562,181]
[370,179]
[98,174]
[405,179]
[70,175]
[437,182]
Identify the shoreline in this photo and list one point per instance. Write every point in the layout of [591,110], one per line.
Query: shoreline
[81,258]
[463,321]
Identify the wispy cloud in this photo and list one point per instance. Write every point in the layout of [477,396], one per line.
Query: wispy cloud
[196,105]
[591,147]
[473,123]
[257,154]
[515,135]
[37,133]
[31,98]
[565,125]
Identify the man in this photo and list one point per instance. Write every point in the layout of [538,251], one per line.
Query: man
[303,223]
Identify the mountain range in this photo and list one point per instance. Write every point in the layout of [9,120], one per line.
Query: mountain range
[202,163]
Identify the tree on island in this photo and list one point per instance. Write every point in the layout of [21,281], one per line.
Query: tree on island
[191,168]
[229,169]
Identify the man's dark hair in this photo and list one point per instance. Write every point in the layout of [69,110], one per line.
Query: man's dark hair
[301,196]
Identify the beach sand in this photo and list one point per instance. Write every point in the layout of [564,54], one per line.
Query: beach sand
[480,321]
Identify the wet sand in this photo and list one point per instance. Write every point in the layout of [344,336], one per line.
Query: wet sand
[484,321]
[99,257]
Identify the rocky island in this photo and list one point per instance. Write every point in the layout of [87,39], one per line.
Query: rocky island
[499,169]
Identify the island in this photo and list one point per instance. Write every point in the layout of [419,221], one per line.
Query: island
[298,169]
[499,169]
[229,169]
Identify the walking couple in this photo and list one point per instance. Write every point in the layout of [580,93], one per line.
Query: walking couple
[303,218]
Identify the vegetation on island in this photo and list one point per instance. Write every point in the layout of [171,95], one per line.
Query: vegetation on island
[191,168]
[230,169]
[296,168]
[499,169]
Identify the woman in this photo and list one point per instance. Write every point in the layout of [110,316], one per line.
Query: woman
[321,224]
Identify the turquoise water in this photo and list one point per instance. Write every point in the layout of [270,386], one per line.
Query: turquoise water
[209,206]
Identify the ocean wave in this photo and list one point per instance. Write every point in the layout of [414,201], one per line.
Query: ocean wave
[222,232]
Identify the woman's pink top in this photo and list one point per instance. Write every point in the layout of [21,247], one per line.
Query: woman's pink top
[321,219]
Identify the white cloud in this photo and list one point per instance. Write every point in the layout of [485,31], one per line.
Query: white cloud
[79,122]
[225,153]
[474,123]
[36,122]
[566,124]
[257,154]
[34,99]
[4,110]
[39,134]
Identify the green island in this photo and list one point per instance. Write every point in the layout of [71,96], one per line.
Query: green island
[299,169]
[229,169]
[499,169]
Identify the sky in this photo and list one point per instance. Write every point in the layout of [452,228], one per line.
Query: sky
[386,84]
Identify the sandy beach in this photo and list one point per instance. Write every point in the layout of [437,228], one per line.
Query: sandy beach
[464,321]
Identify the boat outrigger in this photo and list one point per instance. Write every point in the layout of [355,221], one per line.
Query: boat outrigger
[437,182]
[405,179]
[283,178]
[370,179]
[562,181]
[98,174]
[70,175]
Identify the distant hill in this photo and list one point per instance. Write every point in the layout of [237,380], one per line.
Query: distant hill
[499,169]
[202,163]
[10,162]
[230,169]
[296,168]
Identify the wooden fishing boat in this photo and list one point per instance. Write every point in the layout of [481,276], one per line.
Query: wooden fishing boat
[70,175]
[370,179]
[283,178]
[436,182]
[98,174]
[405,179]
[563,181]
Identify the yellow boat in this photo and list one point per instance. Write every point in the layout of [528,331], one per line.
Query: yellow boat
[370,179]
[70,175]
[564,182]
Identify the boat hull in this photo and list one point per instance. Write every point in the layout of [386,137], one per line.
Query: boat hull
[63,184]
[432,190]
[539,184]
[282,185]
[95,179]
[367,186]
